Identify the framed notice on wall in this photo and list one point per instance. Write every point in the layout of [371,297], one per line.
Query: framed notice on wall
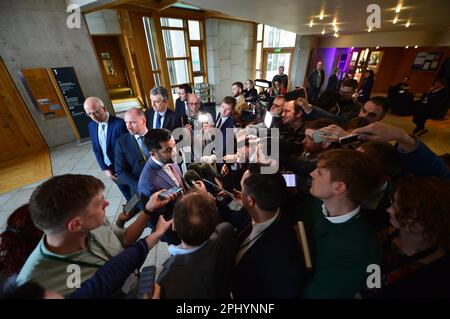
[427,61]
[71,95]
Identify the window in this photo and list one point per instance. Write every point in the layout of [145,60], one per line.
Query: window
[278,38]
[274,48]
[151,50]
[194,30]
[174,43]
[169,22]
[178,72]
[184,47]
[196,61]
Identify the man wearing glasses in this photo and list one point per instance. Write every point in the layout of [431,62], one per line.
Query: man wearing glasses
[104,130]
[160,116]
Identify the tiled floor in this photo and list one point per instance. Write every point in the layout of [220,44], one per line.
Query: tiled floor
[76,159]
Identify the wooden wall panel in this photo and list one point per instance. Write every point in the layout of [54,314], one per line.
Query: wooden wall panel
[397,62]
[19,134]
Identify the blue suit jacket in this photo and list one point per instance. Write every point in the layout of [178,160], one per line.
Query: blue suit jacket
[129,161]
[180,108]
[153,178]
[116,128]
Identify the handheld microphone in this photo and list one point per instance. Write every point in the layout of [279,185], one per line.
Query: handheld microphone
[191,177]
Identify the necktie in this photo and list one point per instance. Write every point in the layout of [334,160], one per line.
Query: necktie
[102,142]
[177,176]
[158,120]
[142,146]
[219,122]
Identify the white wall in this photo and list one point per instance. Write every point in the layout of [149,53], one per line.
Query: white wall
[303,47]
[229,52]
[382,39]
[103,22]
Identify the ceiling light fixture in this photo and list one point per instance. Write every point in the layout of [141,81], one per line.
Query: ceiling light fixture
[323,31]
[395,19]
[321,15]
[407,47]
[377,48]
[352,48]
[334,22]
[407,24]
[398,8]
[370,29]
[416,47]
[311,23]
[336,35]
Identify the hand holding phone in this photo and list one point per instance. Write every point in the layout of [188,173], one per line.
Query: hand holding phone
[174,190]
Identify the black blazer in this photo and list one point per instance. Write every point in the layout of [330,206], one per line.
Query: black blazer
[272,267]
[205,273]
[180,108]
[171,120]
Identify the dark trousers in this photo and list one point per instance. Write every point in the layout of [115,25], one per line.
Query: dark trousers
[125,189]
[420,117]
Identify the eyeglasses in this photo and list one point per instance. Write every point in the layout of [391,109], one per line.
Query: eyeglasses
[158,102]
[194,104]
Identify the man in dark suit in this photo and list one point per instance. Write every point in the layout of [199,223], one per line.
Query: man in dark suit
[181,104]
[225,123]
[131,152]
[315,80]
[431,103]
[160,172]
[104,130]
[160,116]
[202,265]
[269,262]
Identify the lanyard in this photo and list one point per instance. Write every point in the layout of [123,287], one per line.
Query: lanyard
[79,262]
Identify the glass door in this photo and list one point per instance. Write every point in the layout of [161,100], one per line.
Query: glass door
[272,60]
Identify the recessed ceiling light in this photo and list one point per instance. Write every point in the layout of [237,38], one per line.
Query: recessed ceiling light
[323,31]
[352,48]
[407,47]
[321,15]
[407,24]
[395,19]
[416,47]
[334,22]
[398,8]
[311,23]
[377,48]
